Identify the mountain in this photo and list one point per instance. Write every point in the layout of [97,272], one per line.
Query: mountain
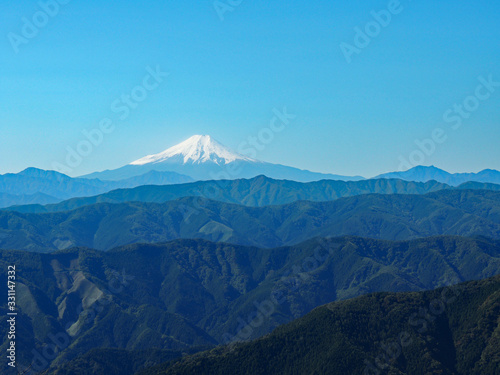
[7,200]
[104,226]
[479,186]
[198,149]
[256,192]
[424,174]
[451,330]
[41,187]
[186,294]
[203,158]
[55,184]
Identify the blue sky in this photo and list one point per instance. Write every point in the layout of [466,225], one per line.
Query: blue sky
[227,76]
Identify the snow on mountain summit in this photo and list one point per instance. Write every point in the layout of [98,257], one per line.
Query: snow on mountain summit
[195,150]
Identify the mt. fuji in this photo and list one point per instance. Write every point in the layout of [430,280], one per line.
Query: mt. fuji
[195,150]
[203,158]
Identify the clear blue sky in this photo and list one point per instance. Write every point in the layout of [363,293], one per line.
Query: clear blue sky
[226,77]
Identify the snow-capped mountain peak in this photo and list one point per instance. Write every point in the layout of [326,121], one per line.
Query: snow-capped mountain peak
[195,150]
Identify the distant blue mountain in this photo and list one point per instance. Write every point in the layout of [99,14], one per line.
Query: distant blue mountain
[7,199]
[37,186]
[425,174]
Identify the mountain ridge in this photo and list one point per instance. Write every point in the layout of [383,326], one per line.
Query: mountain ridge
[423,174]
[372,334]
[391,217]
[256,192]
[41,185]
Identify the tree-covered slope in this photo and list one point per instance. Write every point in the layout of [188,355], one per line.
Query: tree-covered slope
[393,217]
[117,361]
[454,330]
[191,293]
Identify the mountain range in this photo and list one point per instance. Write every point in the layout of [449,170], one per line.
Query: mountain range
[193,259]
[199,158]
[104,226]
[424,174]
[256,192]
[8,200]
[203,158]
[193,293]
[41,187]
[386,333]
